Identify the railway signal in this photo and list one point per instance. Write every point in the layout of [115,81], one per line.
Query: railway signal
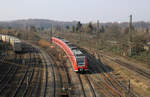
[129,87]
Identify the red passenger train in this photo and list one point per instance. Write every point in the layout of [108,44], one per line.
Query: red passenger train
[76,57]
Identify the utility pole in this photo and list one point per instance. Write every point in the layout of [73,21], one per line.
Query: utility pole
[98,26]
[98,31]
[130,36]
[51,32]
[27,32]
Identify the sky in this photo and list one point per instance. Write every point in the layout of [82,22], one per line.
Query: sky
[78,10]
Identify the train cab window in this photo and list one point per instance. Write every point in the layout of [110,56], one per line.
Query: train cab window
[73,48]
[80,60]
[67,42]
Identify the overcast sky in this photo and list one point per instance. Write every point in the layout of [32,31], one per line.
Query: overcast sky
[80,10]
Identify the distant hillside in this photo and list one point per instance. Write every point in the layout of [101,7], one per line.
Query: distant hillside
[140,24]
[46,24]
[38,23]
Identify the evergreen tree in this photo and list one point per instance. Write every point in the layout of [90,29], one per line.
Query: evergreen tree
[147,30]
[67,27]
[32,28]
[90,27]
[73,28]
[79,25]
[102,29]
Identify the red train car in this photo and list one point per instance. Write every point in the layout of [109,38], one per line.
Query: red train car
[76,57]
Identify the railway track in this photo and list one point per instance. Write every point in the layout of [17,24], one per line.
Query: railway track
[7,78]
[114,78]
[48,76]
[21,83]
[85,79]
[25,82]
[35,86]
[28,88]
[91,86]
[102,82]
[131,92]
[129,66]
[46,81]
[62,75]
[82,86]
[101,87]
[56,79]
[66,75]
[59,73]
[6,73]
[49,85]
[112,84]
[3,59]
[22,78]
[87,87]
[133,68]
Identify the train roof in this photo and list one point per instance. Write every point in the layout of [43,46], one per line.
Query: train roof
[66,41]
[73,48]
[17,41]
[71,45]
[77,52]
[59,37]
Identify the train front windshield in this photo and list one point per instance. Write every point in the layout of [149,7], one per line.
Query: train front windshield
[80,60]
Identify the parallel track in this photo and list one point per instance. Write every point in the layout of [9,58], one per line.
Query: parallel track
[91,86]
[36,82]
[111,83]
[20,83]
[46,78]
[62,65]
[30,77]
[22,87]
[7,78]
[131,67]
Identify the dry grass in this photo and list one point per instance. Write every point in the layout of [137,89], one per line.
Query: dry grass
[138,83]
[44,43]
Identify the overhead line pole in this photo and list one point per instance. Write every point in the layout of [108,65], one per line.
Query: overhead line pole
[130,36]
[51,33]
